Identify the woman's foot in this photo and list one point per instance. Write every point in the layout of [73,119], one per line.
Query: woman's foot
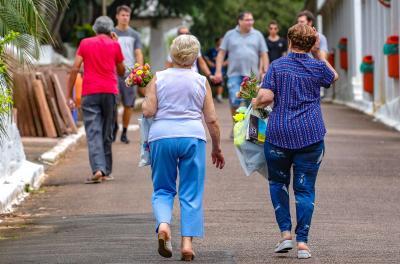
[164,240]
[285,244]
[187,249]
[303,251]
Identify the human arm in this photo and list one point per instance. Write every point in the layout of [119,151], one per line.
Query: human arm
[139,56]
[150,104]
[210,118]
[321,55]
[121,69]
[263,54]
[203,66]
[71,80]
[264,64]
[264,98]
[209,62]
[218,68]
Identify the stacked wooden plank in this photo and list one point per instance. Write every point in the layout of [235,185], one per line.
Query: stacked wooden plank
[41,106]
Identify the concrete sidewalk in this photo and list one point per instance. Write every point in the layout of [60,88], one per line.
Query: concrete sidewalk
[357,216]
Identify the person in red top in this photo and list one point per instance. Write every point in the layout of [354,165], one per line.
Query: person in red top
[102,58]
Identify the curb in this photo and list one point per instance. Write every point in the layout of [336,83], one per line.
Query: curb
[17,186]
[52,156]
[30,176]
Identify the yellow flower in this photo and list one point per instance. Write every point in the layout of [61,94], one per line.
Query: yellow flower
[136,65]
[139,72]
[239,117]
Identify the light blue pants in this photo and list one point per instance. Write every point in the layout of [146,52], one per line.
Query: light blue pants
[188,156]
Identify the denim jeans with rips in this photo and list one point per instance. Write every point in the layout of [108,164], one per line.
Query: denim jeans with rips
[305,162]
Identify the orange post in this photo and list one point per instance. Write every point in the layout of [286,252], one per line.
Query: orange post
[391,49]
[369,82]
[78,90]
[393,66]
[367,68]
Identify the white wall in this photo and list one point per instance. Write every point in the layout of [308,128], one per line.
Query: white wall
[339,21]
[11,151]
[379,22]
[366,24]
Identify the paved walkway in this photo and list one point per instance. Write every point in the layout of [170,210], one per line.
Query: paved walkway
[357,216]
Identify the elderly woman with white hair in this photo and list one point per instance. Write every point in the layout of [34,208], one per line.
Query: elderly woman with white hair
[102,57]
[177,98]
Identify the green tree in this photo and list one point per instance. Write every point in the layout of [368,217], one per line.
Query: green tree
[214,18]
[22,29]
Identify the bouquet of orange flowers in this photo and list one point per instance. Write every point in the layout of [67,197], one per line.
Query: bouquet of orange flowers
[140,75]
[249,87]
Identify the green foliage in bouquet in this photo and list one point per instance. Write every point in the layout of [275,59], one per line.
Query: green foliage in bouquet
[249,87]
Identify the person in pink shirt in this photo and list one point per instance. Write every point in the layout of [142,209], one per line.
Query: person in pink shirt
[102,58]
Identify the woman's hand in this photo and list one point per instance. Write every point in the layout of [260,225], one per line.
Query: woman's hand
[264,98]
[315,51]
[218,158]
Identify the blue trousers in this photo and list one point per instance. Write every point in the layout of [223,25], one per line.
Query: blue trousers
[233,88]
[305,163]
[186,156]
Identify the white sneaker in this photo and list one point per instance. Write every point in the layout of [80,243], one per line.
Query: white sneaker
[284,246]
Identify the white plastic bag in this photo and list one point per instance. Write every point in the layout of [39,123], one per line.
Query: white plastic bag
[251,154]
[252,159]
[144,124]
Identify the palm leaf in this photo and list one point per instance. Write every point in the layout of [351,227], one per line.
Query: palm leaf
[28,18]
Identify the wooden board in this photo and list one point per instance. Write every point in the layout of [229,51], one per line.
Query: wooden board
[21,102]
[44,111]
[57,118]
[63,75]
[62,104]
[33,106]
[50,96]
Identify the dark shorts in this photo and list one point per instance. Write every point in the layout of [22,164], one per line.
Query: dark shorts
[127,95]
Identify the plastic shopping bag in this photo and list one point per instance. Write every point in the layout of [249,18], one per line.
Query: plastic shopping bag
[252,159]
[249,136]
[144,124]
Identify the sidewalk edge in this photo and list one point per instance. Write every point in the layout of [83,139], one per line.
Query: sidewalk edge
[52,156]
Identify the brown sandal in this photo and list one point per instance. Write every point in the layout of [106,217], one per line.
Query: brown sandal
[187,256]
[96,178]
[164,245]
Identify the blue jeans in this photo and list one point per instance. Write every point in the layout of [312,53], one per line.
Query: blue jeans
[305,162]
[233,88]
[188,156]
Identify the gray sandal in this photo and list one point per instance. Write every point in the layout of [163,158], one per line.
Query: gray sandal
[284,246]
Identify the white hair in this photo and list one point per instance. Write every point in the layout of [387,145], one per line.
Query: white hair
[103,25]
[185,50]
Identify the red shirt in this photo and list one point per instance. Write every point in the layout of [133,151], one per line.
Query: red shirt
[100,56]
